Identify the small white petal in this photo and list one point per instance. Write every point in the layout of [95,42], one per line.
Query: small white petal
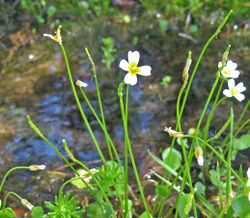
[227,93]
[219,64]
[240,87]
[145,71]
[130,79]
[249,196]
[200,160]
[133,56]
[239,97]
[248,173]
[81,84]
[123,65]
[231,65]
[231,83]
[235,74]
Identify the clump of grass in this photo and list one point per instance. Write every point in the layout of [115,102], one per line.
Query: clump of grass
[109,185]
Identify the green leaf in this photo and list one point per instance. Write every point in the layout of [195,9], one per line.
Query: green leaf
[181,206]
[172,157]
[51,10]
[7,213]
[242,143]
[241,207]
[145,215]
[37,212]
[200,188]
[161,190]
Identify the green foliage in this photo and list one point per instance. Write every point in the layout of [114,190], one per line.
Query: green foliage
[172,157]
[100,7]
[111,178]
[65,206]
[182,205]
[201,188]
[37,212]
[108,52]
[241,207]
[240,144]
[166,80]
[7,213]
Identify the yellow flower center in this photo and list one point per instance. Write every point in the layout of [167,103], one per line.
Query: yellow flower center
[227,71]
[133,69]
[234,91]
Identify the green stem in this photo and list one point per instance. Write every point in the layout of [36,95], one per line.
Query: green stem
[38,132]
[79,104]
[99,100]
[9,172]
[200,58]
[219,156]
[7,195]
[129,148]
[101,125]
[215,105]
[229,155]
[66,148]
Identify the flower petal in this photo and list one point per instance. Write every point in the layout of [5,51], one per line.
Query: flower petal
[133,56]
[145,71]
[219,64]
[240,87]
[232,65]
[123,65]
[235,74]
[200,160]
[231,83]
[239,97]
[227,93]
[130,79]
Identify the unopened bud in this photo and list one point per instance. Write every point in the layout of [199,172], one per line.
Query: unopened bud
[37,167]
[27,204]
[185,73]
[199,155]
[81,84]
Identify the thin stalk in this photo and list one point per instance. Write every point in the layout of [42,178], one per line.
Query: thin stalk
[99,100]
[102,126]
[245,109]
[219,156]
[129,149]
[7,195]
[200,58]
[229,156]
[38,132]
[72,157]
[79,104]
[211,113]
[9,172]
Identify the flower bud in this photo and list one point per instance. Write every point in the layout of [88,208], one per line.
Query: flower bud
[37,167]
[27,204]
[81,84]
[199,155]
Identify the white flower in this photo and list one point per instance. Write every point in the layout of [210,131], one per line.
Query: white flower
[81,84]
[173,133]
[132,67]
[248,176]
[229,71]
[37,167]
[248,181]
[27,204]
[199,155]
[235,90]
[57,37]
